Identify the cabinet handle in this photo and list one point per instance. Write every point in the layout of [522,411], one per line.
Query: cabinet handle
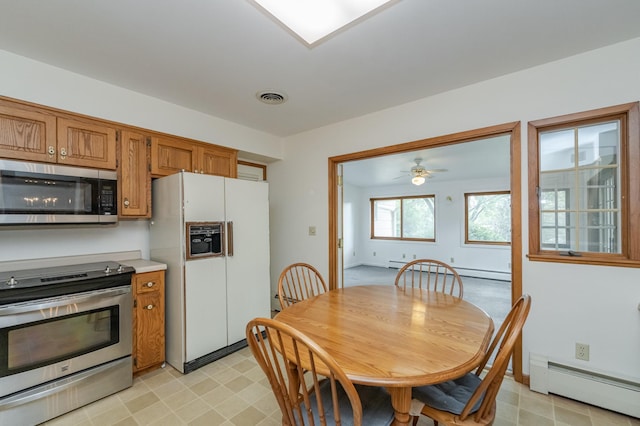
[63,152]
[126,202]
[150,284]
[52,150]
[148,307]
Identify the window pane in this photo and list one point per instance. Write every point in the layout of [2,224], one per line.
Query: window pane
[386,222]
[418,218]
[580,177]
[598,144]
[598,232]
[557,186]
[598,189]
[557,150]
[489,217]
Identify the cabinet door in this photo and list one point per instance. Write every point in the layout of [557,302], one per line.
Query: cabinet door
[169,156]
[150,333]
[134,175]
[27,135]
[149,339]
[217,161]
[86,144]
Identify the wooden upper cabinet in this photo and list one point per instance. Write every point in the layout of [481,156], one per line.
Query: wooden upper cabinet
[134,175]
[216,161]
[169,156]
[27,134]
[86,144]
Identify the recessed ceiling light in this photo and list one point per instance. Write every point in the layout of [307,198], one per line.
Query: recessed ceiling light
[313,20]
[272,97]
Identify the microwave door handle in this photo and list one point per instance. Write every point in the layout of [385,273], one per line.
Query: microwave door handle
[230,239]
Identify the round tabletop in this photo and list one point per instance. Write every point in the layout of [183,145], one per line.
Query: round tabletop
[385,336]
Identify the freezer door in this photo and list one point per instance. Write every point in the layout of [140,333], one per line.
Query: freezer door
[206,318]
[248,280]
[203,198]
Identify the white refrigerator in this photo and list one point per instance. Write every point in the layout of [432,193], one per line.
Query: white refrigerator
[209,300]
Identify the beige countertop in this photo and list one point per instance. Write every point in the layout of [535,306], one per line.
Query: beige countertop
[143,265]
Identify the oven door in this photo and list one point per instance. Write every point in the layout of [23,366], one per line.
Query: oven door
[51,338]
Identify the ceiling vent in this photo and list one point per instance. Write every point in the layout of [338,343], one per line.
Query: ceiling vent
[271,97]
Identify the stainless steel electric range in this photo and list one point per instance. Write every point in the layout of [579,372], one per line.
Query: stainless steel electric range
[65,338]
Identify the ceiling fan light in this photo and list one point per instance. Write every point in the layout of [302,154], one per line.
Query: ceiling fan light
[417,180]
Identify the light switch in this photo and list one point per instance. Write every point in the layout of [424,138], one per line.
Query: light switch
[312,231]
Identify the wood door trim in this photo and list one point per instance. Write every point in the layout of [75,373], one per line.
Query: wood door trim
[512,128]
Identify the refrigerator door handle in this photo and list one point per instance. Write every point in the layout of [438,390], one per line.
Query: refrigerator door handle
[230,239]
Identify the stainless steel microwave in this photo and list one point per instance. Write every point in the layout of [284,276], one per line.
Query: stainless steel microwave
[35,193]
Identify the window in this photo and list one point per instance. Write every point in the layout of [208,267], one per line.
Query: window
[488,218]
[403,218]
[583,188]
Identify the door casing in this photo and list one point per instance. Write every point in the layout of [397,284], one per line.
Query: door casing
[514,130]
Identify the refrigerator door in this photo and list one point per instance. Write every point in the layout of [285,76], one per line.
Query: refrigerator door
[248,279]
[205,295]
[205,279]
[203,198]
[166,244]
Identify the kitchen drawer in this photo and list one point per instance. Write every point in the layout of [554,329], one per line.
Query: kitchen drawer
[147,282]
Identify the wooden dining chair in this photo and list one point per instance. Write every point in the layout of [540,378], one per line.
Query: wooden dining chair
[297,282]
[326,396]
[430,274]
[470,399]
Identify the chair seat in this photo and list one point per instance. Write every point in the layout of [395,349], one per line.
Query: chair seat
[450,396]
[376,406]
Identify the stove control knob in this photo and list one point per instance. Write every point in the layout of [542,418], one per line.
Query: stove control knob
[12,282]
[120,269]
[107,270]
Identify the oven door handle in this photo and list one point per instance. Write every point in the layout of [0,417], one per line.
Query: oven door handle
[63,300]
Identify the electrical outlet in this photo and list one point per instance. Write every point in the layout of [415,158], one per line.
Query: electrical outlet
[374,253]
[452,260]
[404,255]
[414,256]
[582,351]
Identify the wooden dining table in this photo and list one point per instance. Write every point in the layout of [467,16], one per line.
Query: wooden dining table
[386,336]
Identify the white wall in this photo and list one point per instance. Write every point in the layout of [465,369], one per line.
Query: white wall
[587,304]
[449,242]
[32,81]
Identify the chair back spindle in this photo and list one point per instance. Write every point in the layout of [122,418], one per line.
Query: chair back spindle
[430,274]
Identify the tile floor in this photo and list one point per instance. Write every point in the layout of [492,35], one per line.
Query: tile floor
[234,391]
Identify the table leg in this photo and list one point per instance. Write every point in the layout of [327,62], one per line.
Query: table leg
[401,402]
[294,382]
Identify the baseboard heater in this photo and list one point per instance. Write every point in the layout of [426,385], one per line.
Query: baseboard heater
[465,272]
[595,388]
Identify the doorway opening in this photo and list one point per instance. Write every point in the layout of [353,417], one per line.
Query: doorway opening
[510,131]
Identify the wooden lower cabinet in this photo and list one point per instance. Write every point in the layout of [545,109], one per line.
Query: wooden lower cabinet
[148,321]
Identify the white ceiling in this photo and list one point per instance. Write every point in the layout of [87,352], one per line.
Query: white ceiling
[485,158]
[214,55]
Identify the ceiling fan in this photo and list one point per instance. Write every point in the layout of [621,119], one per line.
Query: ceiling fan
[419,173]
